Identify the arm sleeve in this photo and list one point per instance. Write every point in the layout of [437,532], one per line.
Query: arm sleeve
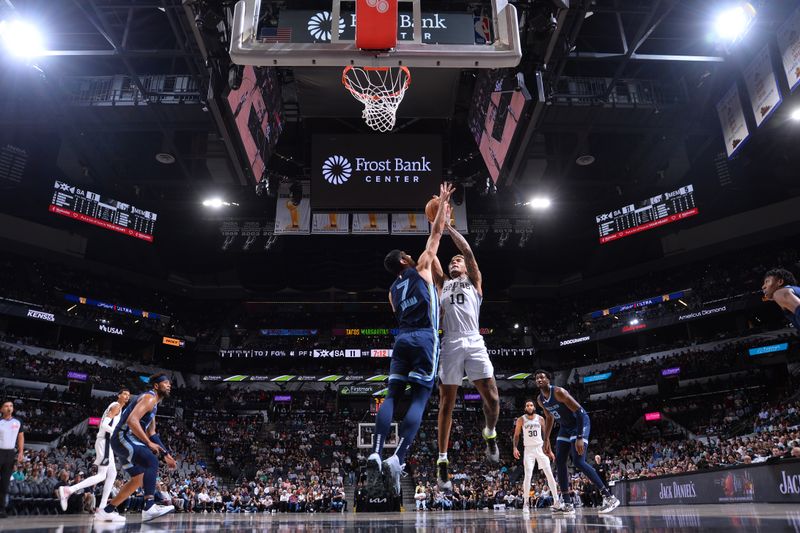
[582,420]
[155,438]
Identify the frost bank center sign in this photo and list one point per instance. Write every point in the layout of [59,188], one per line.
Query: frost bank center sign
[358,172]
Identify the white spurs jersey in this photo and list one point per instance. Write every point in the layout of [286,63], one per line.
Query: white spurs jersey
[101,432]
[461,307]
[532,431]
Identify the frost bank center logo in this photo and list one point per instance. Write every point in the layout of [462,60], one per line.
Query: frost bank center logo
[338,169]
[320,26]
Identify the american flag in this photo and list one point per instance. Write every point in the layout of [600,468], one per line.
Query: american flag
[276,35]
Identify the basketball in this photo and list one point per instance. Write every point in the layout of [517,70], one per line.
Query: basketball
[431,208]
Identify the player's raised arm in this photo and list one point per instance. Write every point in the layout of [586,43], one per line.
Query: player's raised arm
[463,246]
[437,272]
[437,228]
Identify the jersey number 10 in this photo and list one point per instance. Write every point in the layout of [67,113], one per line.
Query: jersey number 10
[456,299]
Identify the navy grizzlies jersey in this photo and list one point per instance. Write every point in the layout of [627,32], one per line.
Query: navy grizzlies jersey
[792,318]
[122,425]
[415,303]
[559,410]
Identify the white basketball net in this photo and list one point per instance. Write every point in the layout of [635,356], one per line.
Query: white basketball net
[380,89]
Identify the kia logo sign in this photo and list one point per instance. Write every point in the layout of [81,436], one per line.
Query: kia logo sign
[374,172]
[336,170]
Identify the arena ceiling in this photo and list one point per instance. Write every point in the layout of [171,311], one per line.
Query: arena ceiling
[632,83]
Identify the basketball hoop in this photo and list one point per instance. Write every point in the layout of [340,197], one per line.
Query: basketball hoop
[380,89]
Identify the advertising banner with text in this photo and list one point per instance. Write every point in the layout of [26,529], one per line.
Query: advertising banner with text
[291,218]
[789,47]
[731,117]
[762,86]
[764,483]
[375,172]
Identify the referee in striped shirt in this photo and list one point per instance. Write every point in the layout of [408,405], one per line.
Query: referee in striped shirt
[11,434]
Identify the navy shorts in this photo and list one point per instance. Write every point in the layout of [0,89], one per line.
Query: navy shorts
[135,456]
[415,357]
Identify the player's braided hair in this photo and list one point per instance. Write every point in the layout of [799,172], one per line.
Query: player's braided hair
[782,274]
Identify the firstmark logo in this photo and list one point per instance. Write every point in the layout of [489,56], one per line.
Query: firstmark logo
[41,315]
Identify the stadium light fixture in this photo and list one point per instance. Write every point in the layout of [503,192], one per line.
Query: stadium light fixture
[734,22]
[634,322]
[21,39]
[516,326]
[540,202]
[796,114]
[217,203]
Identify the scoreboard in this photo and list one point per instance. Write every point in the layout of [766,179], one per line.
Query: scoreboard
[87,206]
[648,214]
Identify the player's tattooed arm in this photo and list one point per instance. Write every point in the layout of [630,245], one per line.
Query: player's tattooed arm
[463,246]
[787,299]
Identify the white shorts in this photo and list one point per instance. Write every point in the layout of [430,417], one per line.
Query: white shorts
[535,456]
[104,455]
[464,356]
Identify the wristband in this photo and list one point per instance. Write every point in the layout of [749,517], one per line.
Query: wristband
[155,438]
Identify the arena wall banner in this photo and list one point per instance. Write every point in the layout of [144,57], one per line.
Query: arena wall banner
[23,311]
[330,224]
[458,218]
[762,86]
[647,325]
[789,47]
[351,172]
[309,26]
[763,483]
[410,224]
[292,219]
[731,117]
[370,223]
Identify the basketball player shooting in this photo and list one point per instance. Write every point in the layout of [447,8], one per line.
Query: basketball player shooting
[138,446]
[531,426]
[464,353]
[780,286]
[415,303]
[573,436]
[104,455]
